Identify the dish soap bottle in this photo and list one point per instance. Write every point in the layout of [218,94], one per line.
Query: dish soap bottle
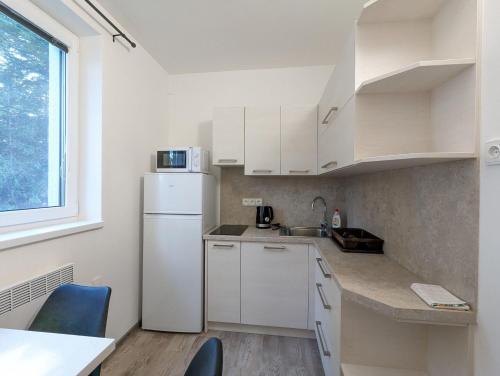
[336,220]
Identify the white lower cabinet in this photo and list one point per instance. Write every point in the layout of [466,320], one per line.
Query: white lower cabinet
[327,314]
[274,285]
[223,281]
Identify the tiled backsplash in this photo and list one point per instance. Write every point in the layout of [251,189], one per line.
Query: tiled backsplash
[290,197]
[428,216]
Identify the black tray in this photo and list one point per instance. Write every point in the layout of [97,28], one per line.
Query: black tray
[357,240]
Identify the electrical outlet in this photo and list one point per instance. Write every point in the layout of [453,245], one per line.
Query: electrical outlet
[493,152]
[251,202]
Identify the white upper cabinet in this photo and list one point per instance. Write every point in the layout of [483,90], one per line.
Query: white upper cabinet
[299,140]
[262,141]
[229,136]
[415,89]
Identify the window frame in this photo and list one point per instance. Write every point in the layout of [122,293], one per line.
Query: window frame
[70,208]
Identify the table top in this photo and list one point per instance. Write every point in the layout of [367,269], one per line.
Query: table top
[24,352]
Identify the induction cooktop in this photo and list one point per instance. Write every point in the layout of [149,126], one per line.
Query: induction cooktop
[233,230]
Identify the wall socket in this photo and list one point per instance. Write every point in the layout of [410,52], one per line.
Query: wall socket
[251,202]
[493,152]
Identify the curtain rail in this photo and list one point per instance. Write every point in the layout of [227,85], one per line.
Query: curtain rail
[119,32]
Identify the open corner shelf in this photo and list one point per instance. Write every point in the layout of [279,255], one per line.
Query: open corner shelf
[357,370]
[421,76]
[379,11]
[398,161]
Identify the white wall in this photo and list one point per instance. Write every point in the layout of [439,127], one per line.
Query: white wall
[487,362]
[192,97]
[134,124]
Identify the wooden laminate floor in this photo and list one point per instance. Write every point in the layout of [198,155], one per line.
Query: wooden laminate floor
[155,353]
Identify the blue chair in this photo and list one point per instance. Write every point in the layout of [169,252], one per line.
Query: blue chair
[208,360]
[77,310]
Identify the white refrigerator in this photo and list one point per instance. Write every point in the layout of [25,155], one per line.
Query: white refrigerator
[178,209]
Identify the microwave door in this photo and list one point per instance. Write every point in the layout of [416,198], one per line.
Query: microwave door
[173,160]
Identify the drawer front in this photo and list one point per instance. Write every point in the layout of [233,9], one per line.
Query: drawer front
[223,282]
[274,284]
[325,348]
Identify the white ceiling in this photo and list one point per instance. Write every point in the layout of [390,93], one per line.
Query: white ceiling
[188,36]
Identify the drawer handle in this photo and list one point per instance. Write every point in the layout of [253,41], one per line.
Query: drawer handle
[319,287]
[298,171]
[224,245]
[262,171]
[331,163]
[323,269]
[326,120]
[322,342]
[228,160]
[272,248]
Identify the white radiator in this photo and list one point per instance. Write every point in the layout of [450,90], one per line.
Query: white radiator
[22,293]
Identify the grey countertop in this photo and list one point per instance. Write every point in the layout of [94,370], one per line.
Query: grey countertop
[373,281]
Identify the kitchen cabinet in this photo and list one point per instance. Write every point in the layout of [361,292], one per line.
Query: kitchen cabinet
[299,140]
[406,88]
[274,285]
[336,144]
[327,313]
[229,136]
[262,140]
[223,281]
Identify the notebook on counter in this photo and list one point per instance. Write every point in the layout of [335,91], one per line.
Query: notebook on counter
[438,297]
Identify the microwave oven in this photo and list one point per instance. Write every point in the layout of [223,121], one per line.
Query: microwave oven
[188,159]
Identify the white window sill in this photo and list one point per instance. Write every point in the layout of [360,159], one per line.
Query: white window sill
[34,235]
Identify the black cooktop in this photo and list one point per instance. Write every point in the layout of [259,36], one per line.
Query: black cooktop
[234,230]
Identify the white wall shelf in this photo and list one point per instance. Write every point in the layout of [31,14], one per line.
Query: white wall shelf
[420,76]
[358,370]
[378,11]
[398,161]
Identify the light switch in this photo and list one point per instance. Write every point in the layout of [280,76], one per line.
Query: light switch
[492,152]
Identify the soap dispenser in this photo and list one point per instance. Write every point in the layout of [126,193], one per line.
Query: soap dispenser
[336,220]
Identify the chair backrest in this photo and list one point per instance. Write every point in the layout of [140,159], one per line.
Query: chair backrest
[74,309]
[208,360]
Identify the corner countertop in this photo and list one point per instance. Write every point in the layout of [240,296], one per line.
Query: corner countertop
[373,281]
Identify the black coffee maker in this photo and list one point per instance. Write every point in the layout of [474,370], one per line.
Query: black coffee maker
[264,216]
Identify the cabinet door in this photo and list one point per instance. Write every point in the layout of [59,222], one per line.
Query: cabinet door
[223,281]
[299,140]
[336,145]
[229,136]
[340,87]
[262,141]
[274,285]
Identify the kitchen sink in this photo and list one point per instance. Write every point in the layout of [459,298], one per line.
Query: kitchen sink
[315,232]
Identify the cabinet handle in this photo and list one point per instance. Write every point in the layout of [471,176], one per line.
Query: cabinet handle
[322,342]
[228,160]
[298,171]
[319,287]
[274,248]
[263,171]
[329,164]
[326,120]
[323,269]
[224,245]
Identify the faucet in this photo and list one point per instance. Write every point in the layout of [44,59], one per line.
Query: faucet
[324,221]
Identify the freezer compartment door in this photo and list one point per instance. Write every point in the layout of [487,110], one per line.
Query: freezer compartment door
[173,193]
[173,273]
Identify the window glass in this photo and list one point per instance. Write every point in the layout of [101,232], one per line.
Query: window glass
[32,119]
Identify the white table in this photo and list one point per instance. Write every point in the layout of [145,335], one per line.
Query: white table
[24,353]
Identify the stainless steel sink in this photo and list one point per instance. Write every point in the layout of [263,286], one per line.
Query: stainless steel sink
[315,232]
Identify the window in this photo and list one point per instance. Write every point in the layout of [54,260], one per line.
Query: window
[34,123]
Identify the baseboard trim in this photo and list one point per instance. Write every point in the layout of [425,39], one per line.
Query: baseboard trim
[256,329]
[127,333]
